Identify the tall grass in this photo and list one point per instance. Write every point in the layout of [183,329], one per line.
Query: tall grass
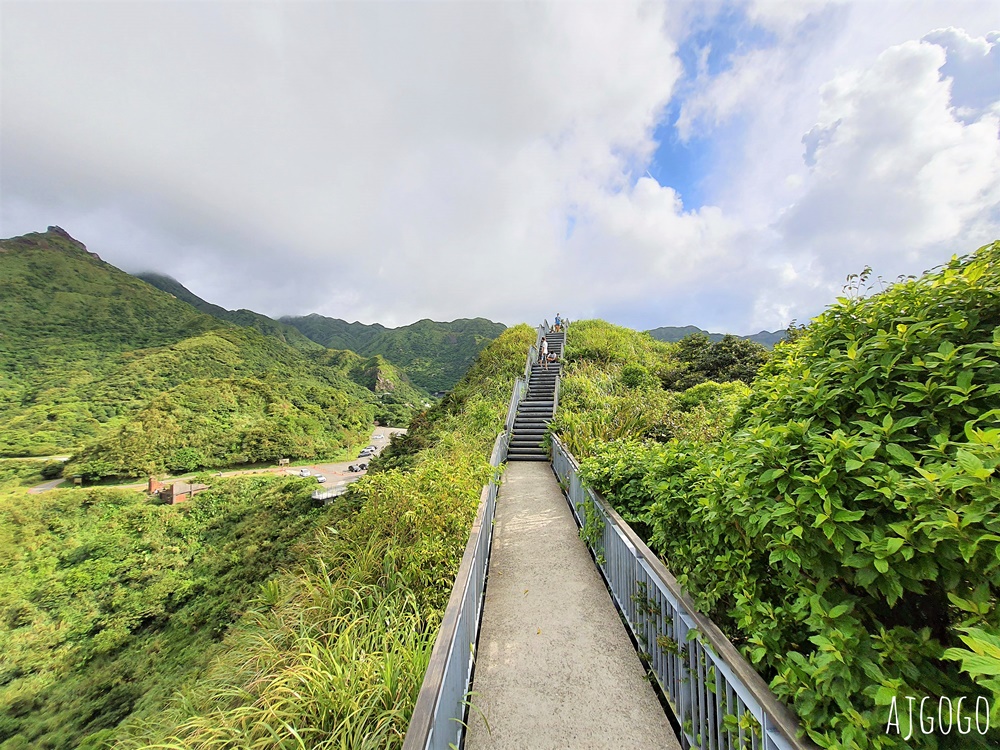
[332,655]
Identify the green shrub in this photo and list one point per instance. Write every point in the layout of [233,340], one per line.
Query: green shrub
[847,533]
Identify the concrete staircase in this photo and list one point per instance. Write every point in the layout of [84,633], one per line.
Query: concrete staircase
[535,412]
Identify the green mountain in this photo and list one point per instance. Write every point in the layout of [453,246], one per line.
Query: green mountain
[675,333]
[334,333]
[247,318]
[99,363]
[130,624]
[397,396]
[434,355]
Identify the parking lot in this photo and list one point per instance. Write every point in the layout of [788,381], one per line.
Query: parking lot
[337,474]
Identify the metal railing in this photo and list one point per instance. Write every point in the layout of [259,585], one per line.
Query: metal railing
[439,715]
[438,720]
[720,702]
[517,394]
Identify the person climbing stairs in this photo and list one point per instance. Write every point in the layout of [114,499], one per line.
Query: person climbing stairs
[538,407]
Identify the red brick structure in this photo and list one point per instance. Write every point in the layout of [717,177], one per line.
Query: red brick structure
[180,491]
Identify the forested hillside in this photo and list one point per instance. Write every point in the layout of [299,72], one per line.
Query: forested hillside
[333,651]
[838,518]
[109,604]
[100,364]
[433,355]
[265,325]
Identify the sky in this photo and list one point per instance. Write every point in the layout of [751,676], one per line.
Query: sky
[719,164]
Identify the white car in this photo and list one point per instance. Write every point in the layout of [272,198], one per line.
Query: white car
[320,478]
[304,473]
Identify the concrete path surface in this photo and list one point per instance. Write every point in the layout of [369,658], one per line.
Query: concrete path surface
[556,669]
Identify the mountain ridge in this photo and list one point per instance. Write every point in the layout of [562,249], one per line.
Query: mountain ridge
[242,317]
[672,334]
[94,362]
[434,355]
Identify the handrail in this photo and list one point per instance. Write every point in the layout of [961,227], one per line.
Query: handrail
[686,650]
[439,713]
[438,717]
[515,399]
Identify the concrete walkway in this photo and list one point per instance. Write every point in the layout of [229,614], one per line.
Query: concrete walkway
[556,668]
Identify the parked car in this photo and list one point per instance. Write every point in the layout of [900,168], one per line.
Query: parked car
[365,453]
[304,472]
[357,467]
[320,478]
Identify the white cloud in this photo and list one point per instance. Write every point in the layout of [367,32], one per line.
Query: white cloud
[896,159]
[393,161]
[894,166]
[420,156]
[732,92]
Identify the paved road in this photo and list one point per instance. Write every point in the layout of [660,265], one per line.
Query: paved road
[336,474]
[555,667]
[45,486]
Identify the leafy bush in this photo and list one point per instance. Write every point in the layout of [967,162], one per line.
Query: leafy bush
[731,358]
[847,533]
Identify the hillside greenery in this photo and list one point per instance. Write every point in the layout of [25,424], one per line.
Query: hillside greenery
[247,318]
[100,364]
[843,530]
[109,603]
[433,355]
[620,384]
[332,653]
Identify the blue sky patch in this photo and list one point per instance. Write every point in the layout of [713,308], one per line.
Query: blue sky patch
[707,51]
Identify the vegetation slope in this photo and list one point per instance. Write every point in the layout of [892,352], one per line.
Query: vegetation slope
[98,363]
[109,603]
[248,318]
[433,355]
[333,651]
[842,528]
